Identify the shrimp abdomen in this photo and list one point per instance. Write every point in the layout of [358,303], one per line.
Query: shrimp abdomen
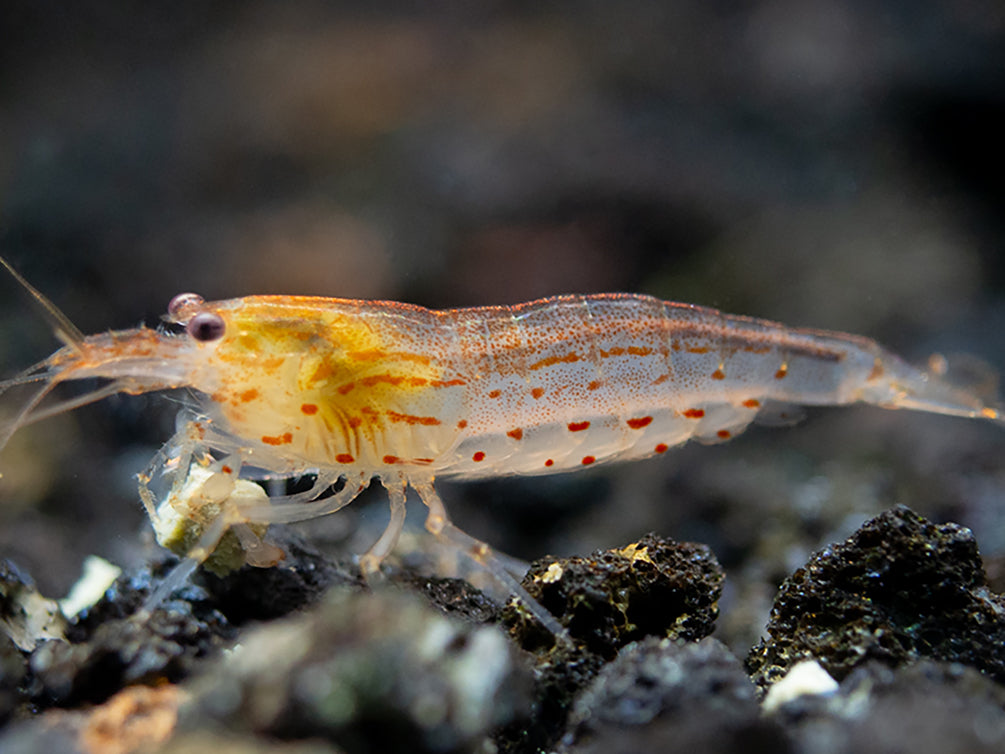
[572,380]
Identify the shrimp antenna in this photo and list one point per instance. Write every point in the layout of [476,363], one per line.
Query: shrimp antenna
[64,329]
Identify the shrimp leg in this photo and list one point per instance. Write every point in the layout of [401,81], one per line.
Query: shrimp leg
[440,526]
[369,562]
[179,575]
[257,552]
[172,461]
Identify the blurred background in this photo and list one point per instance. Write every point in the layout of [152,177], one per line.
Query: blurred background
[829,164]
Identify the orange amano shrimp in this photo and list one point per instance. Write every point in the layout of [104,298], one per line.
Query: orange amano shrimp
[348,389]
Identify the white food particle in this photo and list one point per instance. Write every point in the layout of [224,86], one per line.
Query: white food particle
[98,574]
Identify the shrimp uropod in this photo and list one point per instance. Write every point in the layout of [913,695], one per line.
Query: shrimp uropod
[353,390]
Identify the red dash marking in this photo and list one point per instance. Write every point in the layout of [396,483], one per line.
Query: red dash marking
[516,434]
[756,349]
[725,434]
[309,408]
[675,345]
[661,379]
[638,351]
[578,426]
[718,374]
[495,393]
[613,352]
[697,349]
[537,392]
[226,470]
[344,458]
[479,456]
[549,462]
[422,460]
[661,448]
[587,460]
[569,358]
[595,385]
[284,439]
[355,421]
[427,421]
[390,459]
[343,389]
[694,413]
[462,424]
[752,403]
[249,395]
[783,370]
[447,383]
[639,423]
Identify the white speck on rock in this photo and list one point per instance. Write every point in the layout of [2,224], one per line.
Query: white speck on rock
[806,677]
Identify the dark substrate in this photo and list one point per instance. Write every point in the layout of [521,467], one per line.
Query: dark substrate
[305,658]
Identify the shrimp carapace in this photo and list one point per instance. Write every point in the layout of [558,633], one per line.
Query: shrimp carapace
[354,390]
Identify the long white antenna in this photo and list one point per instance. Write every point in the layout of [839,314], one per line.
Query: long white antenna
[64,329]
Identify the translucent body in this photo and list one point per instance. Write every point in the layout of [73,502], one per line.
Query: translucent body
[357,389]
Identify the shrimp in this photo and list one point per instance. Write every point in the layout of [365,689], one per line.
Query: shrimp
[355,390]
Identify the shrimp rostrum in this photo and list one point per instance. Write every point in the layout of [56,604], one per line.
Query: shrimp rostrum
[355,390]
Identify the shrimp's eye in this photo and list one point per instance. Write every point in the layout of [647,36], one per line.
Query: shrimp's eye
[206,326]
[183,306]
